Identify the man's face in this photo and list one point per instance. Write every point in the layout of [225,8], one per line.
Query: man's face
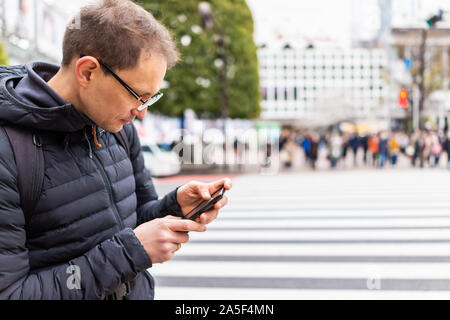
[110,105]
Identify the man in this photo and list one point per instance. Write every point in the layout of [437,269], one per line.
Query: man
[98,224]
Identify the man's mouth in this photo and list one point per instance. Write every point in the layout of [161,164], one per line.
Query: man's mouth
[127,121]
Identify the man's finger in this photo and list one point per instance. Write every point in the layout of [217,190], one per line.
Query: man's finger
[216,185]
[203,190]
[172,217]
[209,216]
[222,203]
[180,237]
[175,247]
[185,225]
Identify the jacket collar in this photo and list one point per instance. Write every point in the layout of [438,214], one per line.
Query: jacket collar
[21,111]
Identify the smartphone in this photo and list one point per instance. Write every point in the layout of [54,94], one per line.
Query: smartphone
[206,205]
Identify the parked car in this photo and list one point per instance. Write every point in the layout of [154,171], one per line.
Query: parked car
[160,162]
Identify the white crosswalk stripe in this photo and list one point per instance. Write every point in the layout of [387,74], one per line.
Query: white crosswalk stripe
[327,235]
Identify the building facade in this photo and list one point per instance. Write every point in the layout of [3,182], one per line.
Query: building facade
[323,85]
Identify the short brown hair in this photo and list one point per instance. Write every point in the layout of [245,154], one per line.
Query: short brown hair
[117,31]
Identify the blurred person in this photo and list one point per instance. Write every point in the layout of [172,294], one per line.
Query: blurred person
[267,154]
[419,147]
[239,152]
[382,149]
[354,143]
[335,144]
[299,137]
[283,138]
[345,145]
[403,140]
[410,150]
[314,149]
[435,150]
[306,145]
[428,141]
[446,147]
[373,144]
[441,138]
[413,148]
[289,150]
[394,149]
[97,225]
[364,141]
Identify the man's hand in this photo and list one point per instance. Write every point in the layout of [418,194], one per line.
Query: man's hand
[192,194]
[161,238]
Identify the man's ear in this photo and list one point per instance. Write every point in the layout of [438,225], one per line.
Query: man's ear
[86,69]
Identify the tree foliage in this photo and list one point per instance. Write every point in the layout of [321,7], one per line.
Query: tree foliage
[3,56]
[195,82]
[433,79]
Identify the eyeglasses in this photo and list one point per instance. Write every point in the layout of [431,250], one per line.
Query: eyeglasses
[146,101]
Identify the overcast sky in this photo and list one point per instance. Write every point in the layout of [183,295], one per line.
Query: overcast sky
[333,21]
[297,19]
[336,20]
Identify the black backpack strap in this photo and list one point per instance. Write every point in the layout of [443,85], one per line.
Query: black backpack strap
[29,158]
[122,137]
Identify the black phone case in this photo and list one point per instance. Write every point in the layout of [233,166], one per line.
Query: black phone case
[205,206]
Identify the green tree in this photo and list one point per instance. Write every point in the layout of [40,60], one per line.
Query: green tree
[3,56]
[195,82]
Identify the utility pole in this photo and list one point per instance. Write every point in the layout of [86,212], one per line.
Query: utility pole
[431,22]
[421,85]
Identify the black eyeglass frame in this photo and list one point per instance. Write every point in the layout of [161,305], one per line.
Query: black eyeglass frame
[145,103]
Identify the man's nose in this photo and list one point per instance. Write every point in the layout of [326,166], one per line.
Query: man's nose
[139,114]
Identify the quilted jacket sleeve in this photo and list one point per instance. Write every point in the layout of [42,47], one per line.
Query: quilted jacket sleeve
[121,257]
[149,207]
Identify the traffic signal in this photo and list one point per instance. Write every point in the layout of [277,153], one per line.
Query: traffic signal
[434,19]
[403,99]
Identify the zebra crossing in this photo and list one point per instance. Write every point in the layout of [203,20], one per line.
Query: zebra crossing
[321,235]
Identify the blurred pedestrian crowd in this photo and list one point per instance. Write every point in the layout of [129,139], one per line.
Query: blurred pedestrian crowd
[423,149]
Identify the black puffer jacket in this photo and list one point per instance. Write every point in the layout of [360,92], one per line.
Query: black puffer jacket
[91,201]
